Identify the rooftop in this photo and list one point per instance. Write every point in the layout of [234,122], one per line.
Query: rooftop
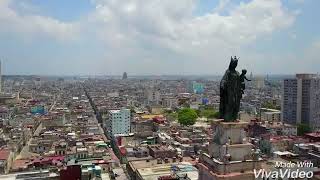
[315,134]
[4,154]
[151,116]
[156,171]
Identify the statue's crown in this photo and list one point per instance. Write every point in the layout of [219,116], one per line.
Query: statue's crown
[233,63]
[235,58]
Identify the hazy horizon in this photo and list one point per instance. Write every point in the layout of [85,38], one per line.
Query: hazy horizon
[138,75]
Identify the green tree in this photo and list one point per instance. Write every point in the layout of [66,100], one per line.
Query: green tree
[270,105]
[198,111]
[172,116]
[167,111]
[132,109]
[216,115]
[303,129]
[187,116]
[208,113]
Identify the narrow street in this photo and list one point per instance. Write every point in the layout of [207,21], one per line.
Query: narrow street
[24,153]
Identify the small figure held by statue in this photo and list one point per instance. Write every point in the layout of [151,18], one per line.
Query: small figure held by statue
[242,80]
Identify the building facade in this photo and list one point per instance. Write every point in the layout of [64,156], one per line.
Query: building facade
[118,122]
[301,100]
[272,115]
[197,88]
[153,96]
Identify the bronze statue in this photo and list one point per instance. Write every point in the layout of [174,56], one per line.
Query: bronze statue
[231,90]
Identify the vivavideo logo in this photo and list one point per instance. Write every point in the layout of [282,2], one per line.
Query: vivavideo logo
[287,171]
[282,173]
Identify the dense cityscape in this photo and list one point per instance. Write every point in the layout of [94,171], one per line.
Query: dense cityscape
[150,127]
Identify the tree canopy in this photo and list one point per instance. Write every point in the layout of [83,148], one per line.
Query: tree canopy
[270,105]
[187,116]
[172,116]
[303,129]
[208,113]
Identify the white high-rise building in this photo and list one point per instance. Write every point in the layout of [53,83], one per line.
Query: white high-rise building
[118,122]
[301,100]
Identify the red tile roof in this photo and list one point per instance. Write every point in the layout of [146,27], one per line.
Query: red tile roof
[4,154]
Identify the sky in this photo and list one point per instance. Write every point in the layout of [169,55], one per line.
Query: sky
[158,37]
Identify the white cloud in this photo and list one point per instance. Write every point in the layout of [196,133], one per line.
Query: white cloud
[11,21]
[161,36]
[147,28]
[173,22]
[169,24]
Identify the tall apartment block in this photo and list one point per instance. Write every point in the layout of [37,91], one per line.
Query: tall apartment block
[118,122]
[301,100]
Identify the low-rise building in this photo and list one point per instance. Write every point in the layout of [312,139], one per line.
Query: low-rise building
[273,115]
[158,151]
[170,168]
[6,158]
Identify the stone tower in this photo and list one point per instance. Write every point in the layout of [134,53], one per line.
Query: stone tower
[125,75]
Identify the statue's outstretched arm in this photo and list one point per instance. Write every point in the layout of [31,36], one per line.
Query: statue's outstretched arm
[247,79]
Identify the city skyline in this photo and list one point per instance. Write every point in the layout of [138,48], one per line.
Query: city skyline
[184,37]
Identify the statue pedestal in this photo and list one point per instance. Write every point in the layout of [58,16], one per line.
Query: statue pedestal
[230,156]
[229,131]
[229,138]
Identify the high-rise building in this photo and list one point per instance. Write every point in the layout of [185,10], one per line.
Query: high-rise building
[118,122]
[301,100]
[125,75]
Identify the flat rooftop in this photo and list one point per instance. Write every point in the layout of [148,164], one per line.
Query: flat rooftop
[153,162]
[114,111]
[159,170]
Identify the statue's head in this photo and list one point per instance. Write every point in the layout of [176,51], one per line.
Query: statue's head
[233,63]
